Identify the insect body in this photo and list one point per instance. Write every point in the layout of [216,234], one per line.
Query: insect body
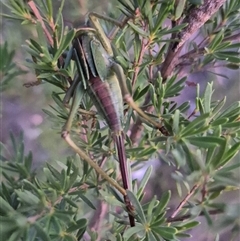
[104,80]
[103,87]
[98,78]
[102,83]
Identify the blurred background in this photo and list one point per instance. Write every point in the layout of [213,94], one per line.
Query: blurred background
[21,107]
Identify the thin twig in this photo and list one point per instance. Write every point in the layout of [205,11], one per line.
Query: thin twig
[144,47]
[187,216]
[139,61]
[184,201]
[97,219]
[34,218]
[235,37]
[137,128]
[39,17]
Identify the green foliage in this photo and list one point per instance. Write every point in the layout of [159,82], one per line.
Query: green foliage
[54,204]
[8,69]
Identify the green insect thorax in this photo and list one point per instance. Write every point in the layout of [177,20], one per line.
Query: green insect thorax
[93,56]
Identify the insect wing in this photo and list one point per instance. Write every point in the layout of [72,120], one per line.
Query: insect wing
[101,60]
[81,57]
[86,45]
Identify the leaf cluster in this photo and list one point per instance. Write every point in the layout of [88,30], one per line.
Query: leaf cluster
[8,69]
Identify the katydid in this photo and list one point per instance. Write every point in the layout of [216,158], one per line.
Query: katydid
[104,80]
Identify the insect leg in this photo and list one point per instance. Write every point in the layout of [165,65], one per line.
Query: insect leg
[128,98]
[78,95]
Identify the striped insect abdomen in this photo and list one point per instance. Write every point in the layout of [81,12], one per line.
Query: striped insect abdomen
[107,98]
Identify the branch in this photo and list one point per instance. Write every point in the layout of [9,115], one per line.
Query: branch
[232,38]
[97,220]
[183,202]
[187,216]
[195,20]
[137,128]
[39,17]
